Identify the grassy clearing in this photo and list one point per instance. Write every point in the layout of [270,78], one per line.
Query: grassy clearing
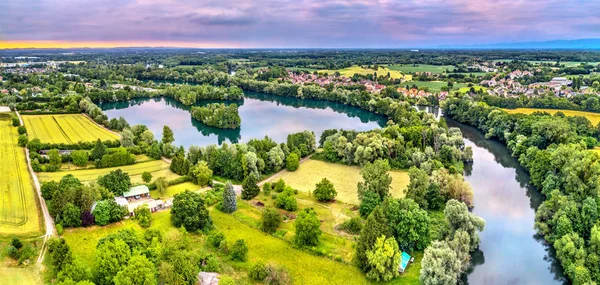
[157,168]
[20,276]
[412,68]
[434,86]
[65,128]
[350,71]
[172,190]
[19,214]
[343,177]
[593,117]
[468,89]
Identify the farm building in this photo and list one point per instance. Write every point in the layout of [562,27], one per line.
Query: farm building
[137,192]
[405,259]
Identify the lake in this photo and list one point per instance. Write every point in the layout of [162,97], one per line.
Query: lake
[261,115]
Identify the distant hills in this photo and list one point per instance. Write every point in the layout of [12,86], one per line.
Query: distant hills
[554,44]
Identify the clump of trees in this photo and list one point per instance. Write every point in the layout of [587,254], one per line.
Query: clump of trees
[189,211]
[218,115]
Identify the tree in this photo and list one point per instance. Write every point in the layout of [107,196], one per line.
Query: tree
[271,219]
[98,151]
[49,188]
[383,259]
[139,271]
[75,271]
[229,204]
[111,257]
[127,138]
[71,216]
[376,226]
[249,187]
[276,158]
[107,211]
[239,251]
[22,140]
[161,185]
[143,216]
[409,223]
[292,162]
[54,157]
[201,174]
[324,191]
[286,200]
[376,179]
[418,186]
[116,181]
[146,177]
[79,157]
[308,229]
[459,218]
[60,253]
[189,211]
[570,250]
[167,136]
[440,265]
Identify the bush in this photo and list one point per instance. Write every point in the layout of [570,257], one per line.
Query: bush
[80,157]
[143,216]
[239,251]
[17,243]
[49,189]
[223,247]
[258,271]
[189,211]
[278,276]
[215,239]
[22,140]
[59,229]
[226,280]
[292,162]
[21,130]
[307,228]
[267,187]
[146,176]
[352,226]
[209,263]
[12,251]
[324,191]
[271,219]
[286,200]
[279,186]
[15,121]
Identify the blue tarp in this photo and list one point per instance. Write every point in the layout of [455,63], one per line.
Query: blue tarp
[404,259]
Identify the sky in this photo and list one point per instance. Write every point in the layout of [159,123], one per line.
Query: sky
[293,23]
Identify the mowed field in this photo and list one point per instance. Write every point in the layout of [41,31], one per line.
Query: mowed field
[434,86]
[65,128]
[350,71]
[593,117]
[157,168]
[19,213]
[412,68]
[343,177]
[19,276]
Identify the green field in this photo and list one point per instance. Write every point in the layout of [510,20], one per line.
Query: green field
[467,89]
[65,128]
[434,86]
[565,63]
[157,168]
[343,177]
[19,214]
[593,117]
[174,189]
[350,71]
[19,276]
[412,68]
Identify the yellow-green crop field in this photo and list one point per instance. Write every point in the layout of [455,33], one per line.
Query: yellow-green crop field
[350,71]
[593,117]
[157,168]
[343,177]
[65,128]
[19,214]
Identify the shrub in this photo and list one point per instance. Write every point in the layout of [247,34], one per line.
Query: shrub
[307,228]
[22,140]
[146,176]
[258,271]
[15,121]
[352,226]
[226,280]
[267,187]
[12,251]
[21,130]
[49,189]
[239,251]
[279,186]
[215,239]
[59,229]
[209,263]
[324,191]
[278,276]
[79,157]
[223,247]
[17,243]
[271,219]
[143,216]
[292,162]
[286,200]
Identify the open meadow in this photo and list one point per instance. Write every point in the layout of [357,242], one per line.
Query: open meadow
[19,276]
[65,128]
[412,68]
[157,168]
[343,177]
[434,86]
[19,214]
[593,117]
[350,71]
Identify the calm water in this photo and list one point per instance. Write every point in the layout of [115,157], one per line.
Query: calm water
[261,115]
[510,251]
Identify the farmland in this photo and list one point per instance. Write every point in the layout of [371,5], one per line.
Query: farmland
[343,177]
[434,86]
[157,168]
[593,117]
[19,213]
[350,71]
[65,128]
[412,68]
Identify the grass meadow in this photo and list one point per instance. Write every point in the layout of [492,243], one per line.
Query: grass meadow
[593,117]
[350,71]
[412,68]
[343,177]
[19,214]
[65,128]
[157,168]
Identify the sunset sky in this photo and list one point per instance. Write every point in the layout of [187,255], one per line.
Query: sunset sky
[292,23]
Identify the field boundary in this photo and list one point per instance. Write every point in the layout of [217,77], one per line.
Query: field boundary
[102,126]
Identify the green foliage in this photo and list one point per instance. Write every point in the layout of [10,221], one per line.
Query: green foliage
[440,265]
[279,186]
[250,187]
[161,185]
[258,271]
[292,162]
[352,226]
[71,216]
[189,211]
[22,140]
[201,174]
[218,115]
[229,202]
[215,238]
[287,200]
[139,270]
[15,121]
[167,136]
[111,258]
[79,157]
[239,251]
[119,157]
[459,218]
[22,130]
[376,226]
[226,280]
[146,177]
[108,211]
[308,229]
[49,188]
[409,223]
[143,216]
[98,151]
[271,219]
[377,180]
[60,253]
[383,259]
[324,191]
[267,187]
[59,229]
[116,181]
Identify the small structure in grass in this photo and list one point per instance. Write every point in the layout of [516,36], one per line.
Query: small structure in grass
[137,192]
[405,259]
[208,278]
